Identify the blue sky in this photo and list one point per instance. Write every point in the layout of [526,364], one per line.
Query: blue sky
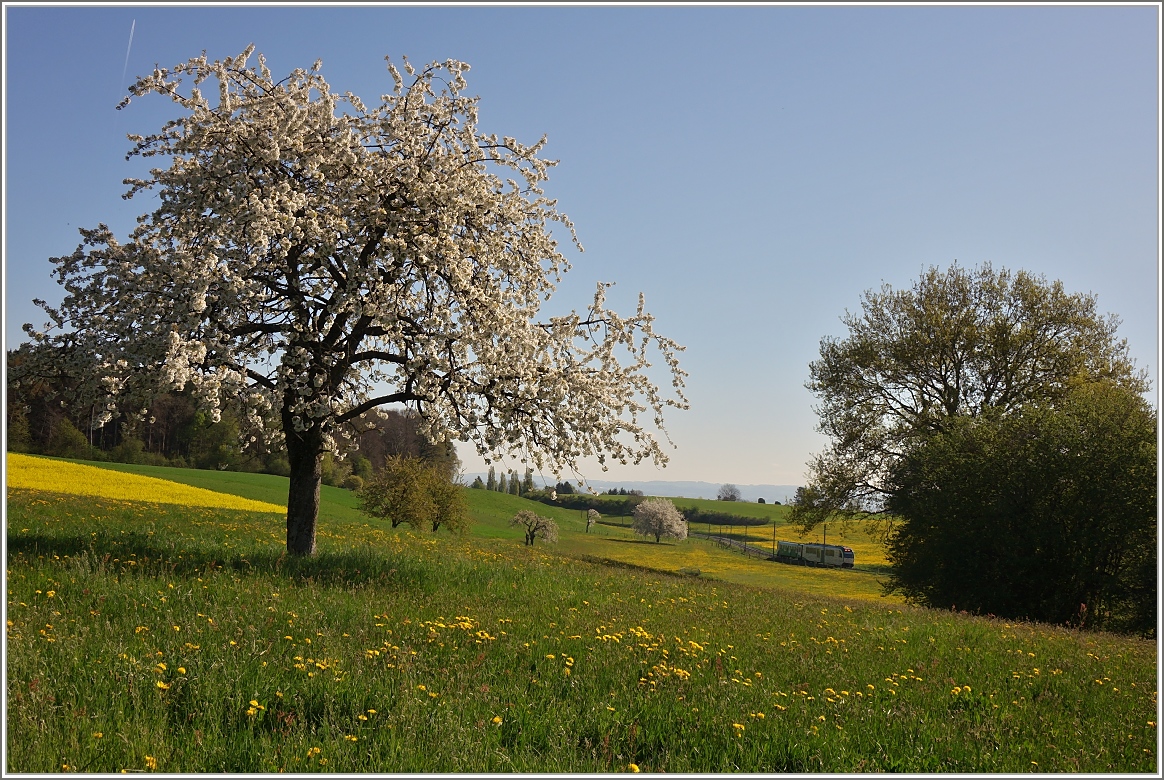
[751,169]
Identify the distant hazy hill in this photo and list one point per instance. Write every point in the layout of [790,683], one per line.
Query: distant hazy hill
[770,493]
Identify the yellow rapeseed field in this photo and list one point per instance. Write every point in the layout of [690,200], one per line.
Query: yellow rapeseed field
[25,471]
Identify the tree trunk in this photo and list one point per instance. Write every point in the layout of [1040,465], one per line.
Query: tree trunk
[305,453]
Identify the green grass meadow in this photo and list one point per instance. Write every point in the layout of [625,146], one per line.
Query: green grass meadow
[152,637]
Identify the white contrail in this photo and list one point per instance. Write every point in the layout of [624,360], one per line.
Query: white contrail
[127,48]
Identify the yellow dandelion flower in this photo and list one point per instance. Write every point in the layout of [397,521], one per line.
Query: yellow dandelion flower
[151,763]
[497,720]
[633,767]
[97,735]
[162,685]
[351,737]
[181,670]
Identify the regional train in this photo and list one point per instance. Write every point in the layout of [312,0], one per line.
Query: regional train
[830,555]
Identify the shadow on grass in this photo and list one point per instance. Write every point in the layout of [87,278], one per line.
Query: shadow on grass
[108,553]
[684,573]
[641,541]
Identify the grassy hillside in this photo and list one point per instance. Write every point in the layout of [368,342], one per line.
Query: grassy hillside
[181,639]
[769,512]
[491,512]
[333,502]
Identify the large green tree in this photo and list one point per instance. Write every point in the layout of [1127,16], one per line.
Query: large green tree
[959,343]
[1046,514]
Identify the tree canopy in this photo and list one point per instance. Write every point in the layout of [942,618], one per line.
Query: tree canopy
[1047,514]
[728,492]
[311,259]
[959,343]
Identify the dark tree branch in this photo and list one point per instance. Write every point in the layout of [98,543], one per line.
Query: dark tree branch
[372,403]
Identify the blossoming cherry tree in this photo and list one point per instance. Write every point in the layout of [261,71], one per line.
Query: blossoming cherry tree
[311,259]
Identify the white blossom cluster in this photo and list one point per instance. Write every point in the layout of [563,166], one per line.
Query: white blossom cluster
[658,517]
[314,258]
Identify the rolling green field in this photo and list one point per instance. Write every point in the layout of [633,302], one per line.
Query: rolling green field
[151,636]
[491,512]
[767,512]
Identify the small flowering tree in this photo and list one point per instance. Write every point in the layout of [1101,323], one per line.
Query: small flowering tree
[658,517]
[592,517]
[311,259]
[535,526]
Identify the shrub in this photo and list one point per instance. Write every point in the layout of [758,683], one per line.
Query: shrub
[1048,514]
[130,450]
[67,441]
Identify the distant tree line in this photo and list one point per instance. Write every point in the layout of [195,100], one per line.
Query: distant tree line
[173,431]
[704,516]
[508,483]
[626,508]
